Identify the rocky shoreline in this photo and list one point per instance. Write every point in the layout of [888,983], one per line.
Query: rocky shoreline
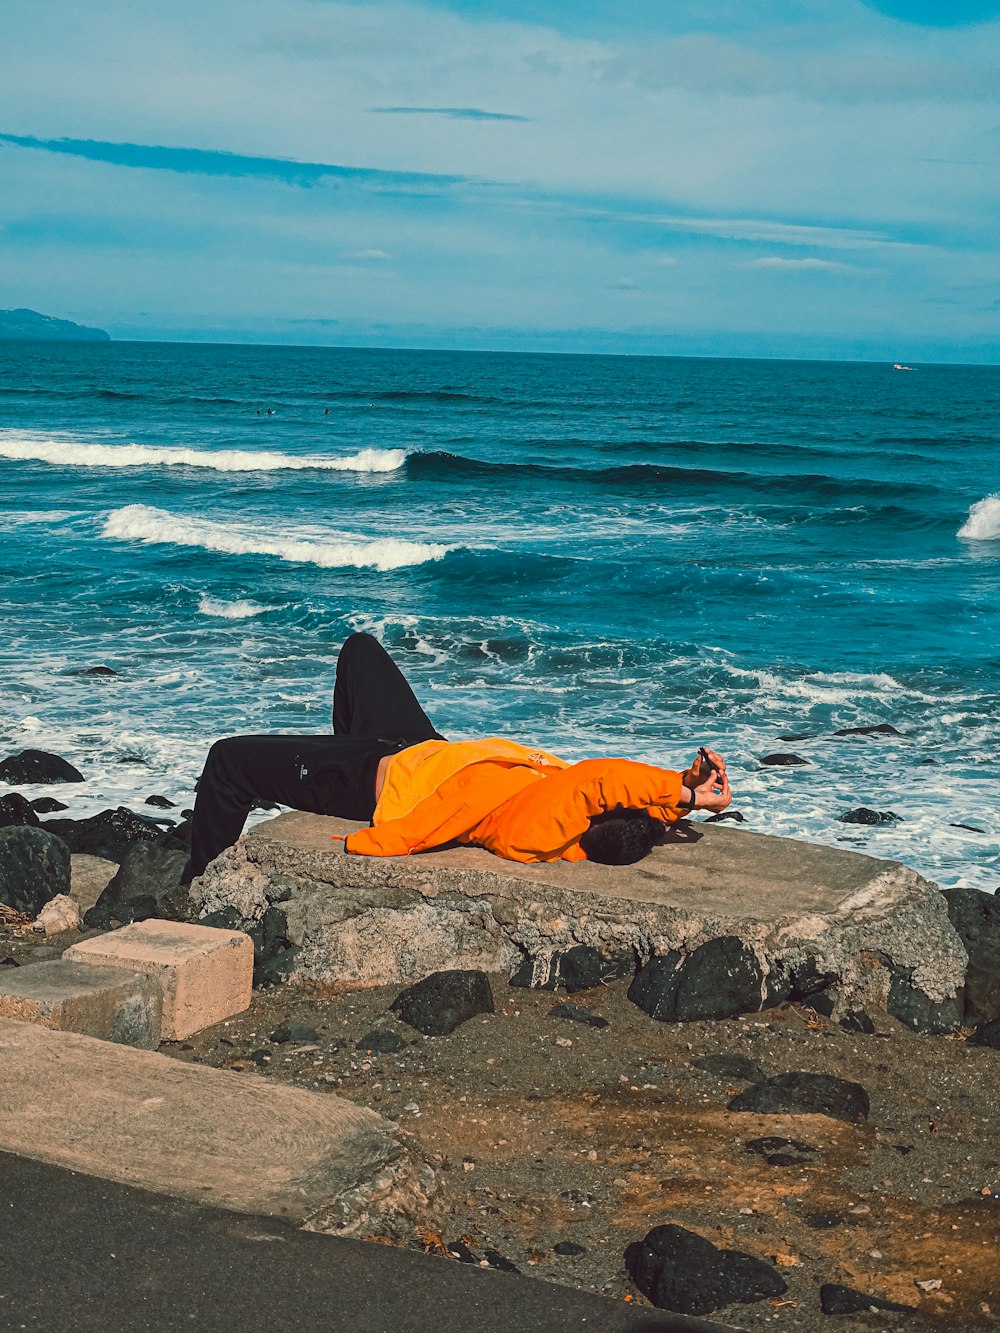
[791,1156]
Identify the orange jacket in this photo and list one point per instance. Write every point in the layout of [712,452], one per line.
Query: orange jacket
[520,804]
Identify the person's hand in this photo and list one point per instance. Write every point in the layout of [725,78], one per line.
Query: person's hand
[707,780]
[713,793]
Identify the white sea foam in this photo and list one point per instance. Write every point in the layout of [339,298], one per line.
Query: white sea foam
[983,523]
[65,452]
[240,610]
[143,523]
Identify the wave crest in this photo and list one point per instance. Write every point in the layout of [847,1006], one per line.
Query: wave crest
[241,610]
[983,523]
[143,523]
[71,453]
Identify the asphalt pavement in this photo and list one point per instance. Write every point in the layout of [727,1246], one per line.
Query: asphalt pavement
[84,1255]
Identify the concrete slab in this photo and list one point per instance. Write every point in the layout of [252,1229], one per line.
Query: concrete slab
[364,921]
[213,1136]
[102,1002]
[204,975]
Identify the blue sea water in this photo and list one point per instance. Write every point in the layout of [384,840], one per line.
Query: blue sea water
[604,555]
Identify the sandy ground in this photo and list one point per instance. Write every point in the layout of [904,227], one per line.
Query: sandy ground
[544,1131]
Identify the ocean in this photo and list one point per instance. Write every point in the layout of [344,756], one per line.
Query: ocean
[603,555]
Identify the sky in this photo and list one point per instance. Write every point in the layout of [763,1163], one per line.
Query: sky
[794,178]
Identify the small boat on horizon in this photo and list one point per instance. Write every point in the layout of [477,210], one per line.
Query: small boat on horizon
[897,366]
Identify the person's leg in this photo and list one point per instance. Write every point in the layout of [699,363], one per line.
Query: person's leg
[371,696]
[325,775]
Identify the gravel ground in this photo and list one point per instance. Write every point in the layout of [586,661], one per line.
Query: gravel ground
[545,1132]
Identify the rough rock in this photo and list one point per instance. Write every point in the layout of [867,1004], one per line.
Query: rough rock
[777,1151]
[783,760]
[381,1041]
[862,815]
[161,802]
[270,941]
[880,729]
[441,1002]
[34,867]
[734,815]
[47,805]
[918,1010]
[580,968]
[577,1013]
[976,917]
[16,809]
[147,884]
[856,1020]
[59,914]
[679,1270]
[801,1093]
[837,1299]
[297,1032]
[731,1066]
[987,1034]
[810,914]
[720,979]
[89,877]
[38,766]
[110,834]
[100,671]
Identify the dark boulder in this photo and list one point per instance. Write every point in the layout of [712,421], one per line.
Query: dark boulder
[34,867]
[148,884]
[976,918]
[734,815]
[880,729]
[161,802]
[679,1270]
[438,1004]
[987,1034]
[47,805]
[783,760]
[178,838]
[110,834]
[720,979]
[800,1093]
[581,967]
[381,1041]
[917,1010]
[856,1020]
[38,766]
[796,980]
[734,1066]
[862,815]
[781,1152]
[269,934]
[16,809]
[300,1033]
[837,1299]
[100,671]
[577,1013]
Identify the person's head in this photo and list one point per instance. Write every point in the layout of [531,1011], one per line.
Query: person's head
[621,837]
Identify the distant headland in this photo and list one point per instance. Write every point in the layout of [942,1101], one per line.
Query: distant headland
[29,324]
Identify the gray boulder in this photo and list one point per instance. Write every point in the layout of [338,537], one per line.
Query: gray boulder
[16,809]
[976,918]
[34,867]
[147,885]
[720,979]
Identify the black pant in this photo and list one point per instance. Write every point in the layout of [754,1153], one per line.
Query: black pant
[375,713]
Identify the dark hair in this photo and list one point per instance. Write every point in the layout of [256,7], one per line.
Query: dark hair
[621,837]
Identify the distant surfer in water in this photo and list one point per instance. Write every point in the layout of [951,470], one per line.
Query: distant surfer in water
[387,766]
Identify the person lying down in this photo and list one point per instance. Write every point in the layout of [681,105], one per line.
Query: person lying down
[387,766]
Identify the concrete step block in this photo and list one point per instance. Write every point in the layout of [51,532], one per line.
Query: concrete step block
[204,974]
[104,1002]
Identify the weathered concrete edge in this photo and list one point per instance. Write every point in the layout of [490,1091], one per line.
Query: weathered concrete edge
[897,918]
[371,1176]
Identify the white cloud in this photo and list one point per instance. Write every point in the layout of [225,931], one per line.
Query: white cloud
[369,254]
[798,265]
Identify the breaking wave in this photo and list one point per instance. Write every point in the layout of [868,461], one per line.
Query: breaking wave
[70,453]
[143,523]
[241,610]
[983,523]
